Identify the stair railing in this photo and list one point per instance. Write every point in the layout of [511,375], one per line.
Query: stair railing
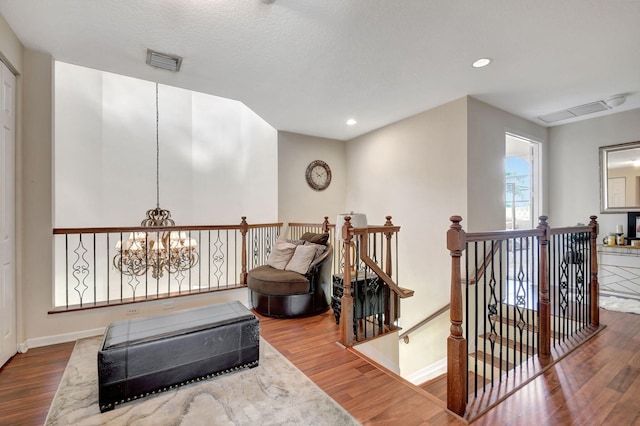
[532,298]
[370,303]
[405,334]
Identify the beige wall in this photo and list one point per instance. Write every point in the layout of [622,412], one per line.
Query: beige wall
[422,170]
[574,167]
[36,205]
[415,171]
[487,126]
[297,202]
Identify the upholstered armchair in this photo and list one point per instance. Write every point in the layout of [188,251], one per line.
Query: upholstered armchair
[296,280]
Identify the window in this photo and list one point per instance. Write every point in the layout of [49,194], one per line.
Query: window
[521,182]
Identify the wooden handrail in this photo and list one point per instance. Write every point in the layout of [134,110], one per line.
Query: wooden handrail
[309,225]
[400,291]
[364,244]
[59,231]
[405,335]
[503,235]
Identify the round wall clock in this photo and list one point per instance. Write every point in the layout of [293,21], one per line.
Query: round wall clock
[318,175]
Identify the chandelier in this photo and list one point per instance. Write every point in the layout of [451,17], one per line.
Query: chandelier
[158,251]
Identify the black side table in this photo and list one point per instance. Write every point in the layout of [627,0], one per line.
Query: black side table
[367,291]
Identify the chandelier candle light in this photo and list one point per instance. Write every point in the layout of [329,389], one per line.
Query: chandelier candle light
[160,251]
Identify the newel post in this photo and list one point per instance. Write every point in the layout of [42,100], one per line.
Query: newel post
[346,313]
[325,225]
[244,227]
[595,287]
[544,309]
[392,307]
[456,343]
[387,262]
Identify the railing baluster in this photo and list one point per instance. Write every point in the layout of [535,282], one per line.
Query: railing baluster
[545,313]
[109,290]
[503,343]
[108,266]
[466,312]
[508,296]
[66,265]
[553,261]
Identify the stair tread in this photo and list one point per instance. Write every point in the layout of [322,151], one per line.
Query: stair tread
[525,327]
[487,359]
[508,342]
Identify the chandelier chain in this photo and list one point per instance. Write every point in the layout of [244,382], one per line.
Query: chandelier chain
[157,151]
[157,251]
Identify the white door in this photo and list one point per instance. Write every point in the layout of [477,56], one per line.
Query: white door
[8,342]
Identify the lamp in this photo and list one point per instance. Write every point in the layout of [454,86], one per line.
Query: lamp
[169,251]
[358,220]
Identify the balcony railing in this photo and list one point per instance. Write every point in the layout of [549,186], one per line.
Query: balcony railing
[106,266]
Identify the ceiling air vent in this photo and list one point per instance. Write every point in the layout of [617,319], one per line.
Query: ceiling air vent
[164,61]
[588,108]
[556,116]
[576,111]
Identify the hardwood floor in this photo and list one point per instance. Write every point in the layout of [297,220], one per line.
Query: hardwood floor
[28,383]
[597,385]
[371,395]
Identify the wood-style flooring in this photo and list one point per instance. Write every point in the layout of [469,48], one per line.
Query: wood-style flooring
[599,384]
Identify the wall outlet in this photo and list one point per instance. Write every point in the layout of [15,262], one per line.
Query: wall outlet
[168,305]
[133,311]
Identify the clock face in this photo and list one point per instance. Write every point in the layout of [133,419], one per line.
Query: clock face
[318,175]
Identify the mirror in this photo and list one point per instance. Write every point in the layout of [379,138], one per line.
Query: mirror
[620,178]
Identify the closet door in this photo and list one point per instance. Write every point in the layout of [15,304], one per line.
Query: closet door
[8,342]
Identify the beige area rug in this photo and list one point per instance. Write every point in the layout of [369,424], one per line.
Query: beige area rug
[619,304]
[274,393]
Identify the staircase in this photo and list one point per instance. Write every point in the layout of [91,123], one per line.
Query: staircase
[514,343]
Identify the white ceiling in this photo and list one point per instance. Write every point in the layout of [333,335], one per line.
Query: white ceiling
[306,66]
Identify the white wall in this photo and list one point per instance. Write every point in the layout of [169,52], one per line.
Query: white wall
[11,53]
[39,327]
[574,168]
[213,152]
[297,201]
[10,47]
[415,171]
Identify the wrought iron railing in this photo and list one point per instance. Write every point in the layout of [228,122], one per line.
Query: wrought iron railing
[519,301]
[105,266]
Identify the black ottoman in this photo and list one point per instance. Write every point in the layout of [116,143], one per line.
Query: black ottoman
[143,356]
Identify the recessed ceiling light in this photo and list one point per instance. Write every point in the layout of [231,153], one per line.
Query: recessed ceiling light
[351,122]
[482,62]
